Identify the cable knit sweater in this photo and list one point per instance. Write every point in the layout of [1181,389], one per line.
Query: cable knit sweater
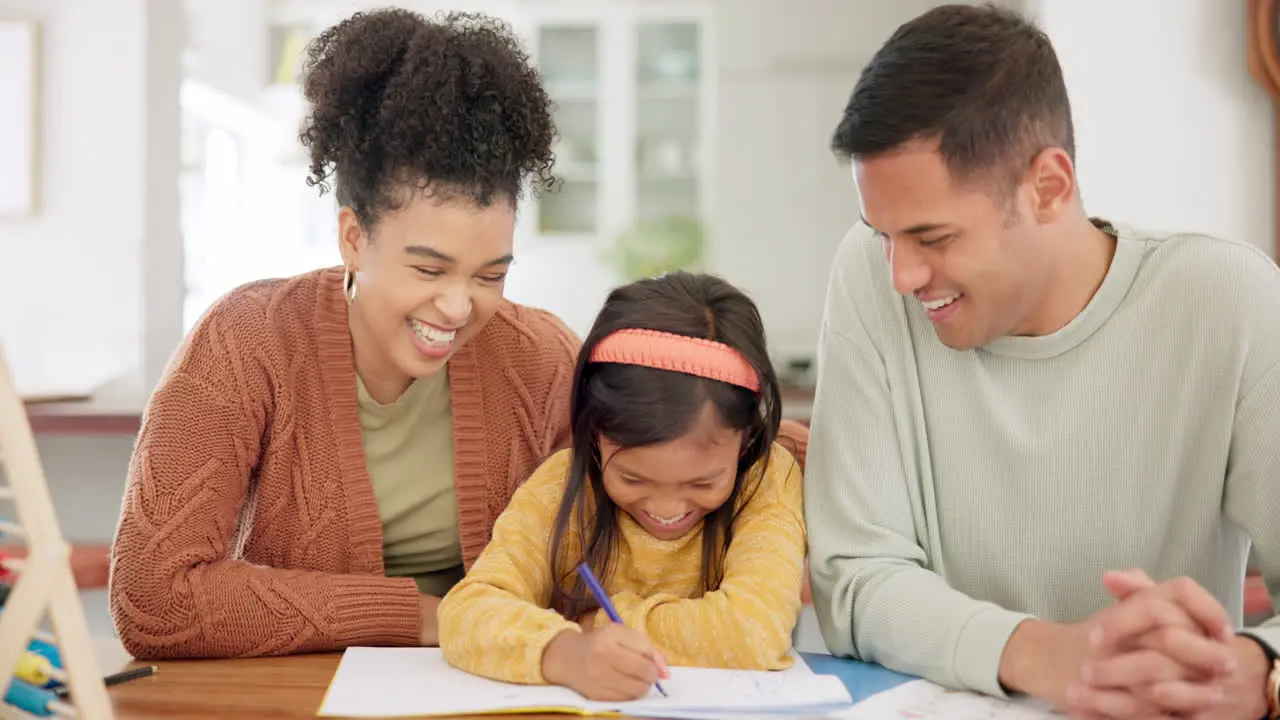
[249,525]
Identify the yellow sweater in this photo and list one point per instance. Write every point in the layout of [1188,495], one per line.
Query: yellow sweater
[495,623]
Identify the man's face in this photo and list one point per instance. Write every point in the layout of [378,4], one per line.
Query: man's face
[970,259]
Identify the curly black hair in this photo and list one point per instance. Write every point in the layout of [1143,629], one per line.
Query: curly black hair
[450,106]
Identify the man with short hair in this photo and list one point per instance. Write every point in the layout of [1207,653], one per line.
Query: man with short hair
[1023,411]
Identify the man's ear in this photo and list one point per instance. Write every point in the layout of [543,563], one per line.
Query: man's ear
[1051,177]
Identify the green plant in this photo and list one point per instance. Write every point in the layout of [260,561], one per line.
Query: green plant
[658,245]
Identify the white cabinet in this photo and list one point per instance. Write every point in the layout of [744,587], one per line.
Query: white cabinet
[632,86]
[632,95]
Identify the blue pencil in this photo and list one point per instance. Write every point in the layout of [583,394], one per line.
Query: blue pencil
[590,579]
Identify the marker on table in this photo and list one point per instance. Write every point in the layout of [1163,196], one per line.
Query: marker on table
[601,597]
[115,678]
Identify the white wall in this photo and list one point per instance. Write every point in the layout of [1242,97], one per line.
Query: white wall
[1171,131]
[782,203]
[227,46]
[88,232]
[73,302]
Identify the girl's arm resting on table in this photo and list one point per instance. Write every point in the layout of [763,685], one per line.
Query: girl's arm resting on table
[747,622]
[175,590]
[495,622]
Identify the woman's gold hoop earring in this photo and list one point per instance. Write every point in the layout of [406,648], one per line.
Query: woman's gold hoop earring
[349,284]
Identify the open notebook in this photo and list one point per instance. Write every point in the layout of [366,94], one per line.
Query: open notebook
[413,682]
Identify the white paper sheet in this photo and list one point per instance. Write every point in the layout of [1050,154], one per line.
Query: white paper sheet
[923,700]
[408,682]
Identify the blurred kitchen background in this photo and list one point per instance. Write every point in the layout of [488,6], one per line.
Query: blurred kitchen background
[165,170]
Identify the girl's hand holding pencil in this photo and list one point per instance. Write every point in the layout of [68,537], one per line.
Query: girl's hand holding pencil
[612,662]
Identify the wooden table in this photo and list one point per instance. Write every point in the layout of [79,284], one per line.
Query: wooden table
[283,687]
[287,687]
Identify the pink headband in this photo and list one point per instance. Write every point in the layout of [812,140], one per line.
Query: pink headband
[678,353]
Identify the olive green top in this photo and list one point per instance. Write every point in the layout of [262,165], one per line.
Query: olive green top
[408,447]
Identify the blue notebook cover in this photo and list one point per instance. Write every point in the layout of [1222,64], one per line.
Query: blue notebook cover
[861,679]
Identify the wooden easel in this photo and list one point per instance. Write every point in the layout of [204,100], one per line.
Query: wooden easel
[45,585]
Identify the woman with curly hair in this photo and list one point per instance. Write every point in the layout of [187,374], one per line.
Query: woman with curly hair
[327,453]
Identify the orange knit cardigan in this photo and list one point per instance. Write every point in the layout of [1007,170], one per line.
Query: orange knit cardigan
[249,525]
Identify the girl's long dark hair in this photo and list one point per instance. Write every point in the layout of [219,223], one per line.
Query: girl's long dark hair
[635,406]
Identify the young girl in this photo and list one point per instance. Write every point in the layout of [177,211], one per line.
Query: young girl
[674,493]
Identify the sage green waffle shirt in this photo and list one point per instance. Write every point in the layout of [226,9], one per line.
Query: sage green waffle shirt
[949,495]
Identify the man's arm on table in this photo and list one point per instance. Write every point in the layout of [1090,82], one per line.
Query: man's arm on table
[875,597]
[1252,497]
